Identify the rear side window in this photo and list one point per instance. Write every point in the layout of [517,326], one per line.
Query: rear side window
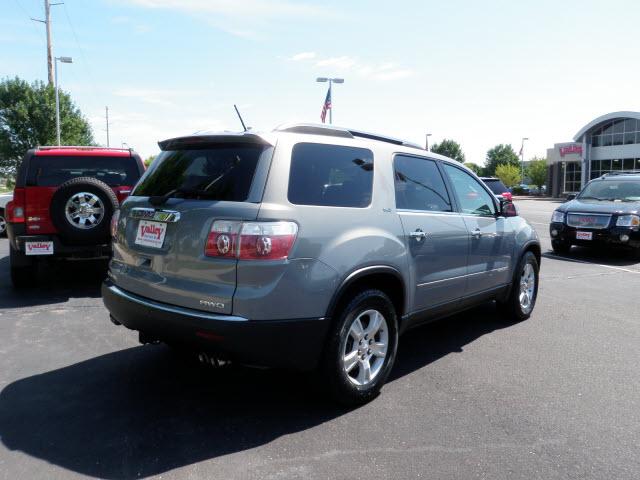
[216,172]
[496,186]
[51,171]
[419,185]
[330,175]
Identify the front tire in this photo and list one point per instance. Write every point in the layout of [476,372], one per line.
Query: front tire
[524,290]
[361,348]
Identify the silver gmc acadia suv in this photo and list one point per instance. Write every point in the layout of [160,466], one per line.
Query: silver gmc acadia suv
[311,247]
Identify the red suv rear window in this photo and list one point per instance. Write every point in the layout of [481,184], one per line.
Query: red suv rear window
[50,171]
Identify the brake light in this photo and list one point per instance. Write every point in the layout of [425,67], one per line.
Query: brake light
[114,224]
[222,239]
[15,208]
[251,240]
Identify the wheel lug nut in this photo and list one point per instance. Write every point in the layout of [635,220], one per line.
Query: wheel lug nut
[370,341]
[362,357]
[369,351]
[366,335]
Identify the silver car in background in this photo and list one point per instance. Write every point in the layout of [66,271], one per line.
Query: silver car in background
[311,247]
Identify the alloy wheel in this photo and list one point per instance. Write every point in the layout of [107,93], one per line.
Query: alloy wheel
[527,288]
[84,210]
[365,347]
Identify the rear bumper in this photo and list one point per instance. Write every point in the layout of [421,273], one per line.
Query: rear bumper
[18,239]
[601,237]
[296,344]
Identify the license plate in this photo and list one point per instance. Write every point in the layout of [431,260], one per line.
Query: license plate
[584,235]
[38,248]
[150,234]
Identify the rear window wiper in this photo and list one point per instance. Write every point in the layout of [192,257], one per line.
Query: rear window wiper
[160,199]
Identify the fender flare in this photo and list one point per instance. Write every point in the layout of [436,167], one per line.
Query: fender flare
[359,273]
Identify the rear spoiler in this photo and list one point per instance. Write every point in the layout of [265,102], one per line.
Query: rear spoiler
[200,140]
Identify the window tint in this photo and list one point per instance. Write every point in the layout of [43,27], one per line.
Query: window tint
[51,171]
[472,197]
[216,172]
[496,186]
[419,185]
[330,175]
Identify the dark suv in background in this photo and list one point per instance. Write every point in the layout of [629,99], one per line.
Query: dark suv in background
[605,214]
[63,202]
[311,247]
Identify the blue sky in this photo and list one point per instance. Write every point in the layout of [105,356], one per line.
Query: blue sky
[481,73]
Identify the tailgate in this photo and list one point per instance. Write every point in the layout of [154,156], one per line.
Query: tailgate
[161,253]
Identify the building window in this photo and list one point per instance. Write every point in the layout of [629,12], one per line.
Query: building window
[572,174]
[620,132]
[600,167]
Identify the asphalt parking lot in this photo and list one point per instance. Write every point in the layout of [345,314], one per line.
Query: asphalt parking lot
[557,396]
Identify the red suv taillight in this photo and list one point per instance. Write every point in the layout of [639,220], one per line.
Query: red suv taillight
[251,240]
[15,208]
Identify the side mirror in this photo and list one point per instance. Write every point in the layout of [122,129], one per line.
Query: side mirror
[508,209]
[571,196]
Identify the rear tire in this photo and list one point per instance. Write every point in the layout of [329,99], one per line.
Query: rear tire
[524,290]
[560,248]
[3,224]
[361,348]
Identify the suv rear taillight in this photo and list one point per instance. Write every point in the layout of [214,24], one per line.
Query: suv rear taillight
[15,208]
[251,240]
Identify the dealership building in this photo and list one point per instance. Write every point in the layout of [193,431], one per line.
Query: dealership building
[606,144]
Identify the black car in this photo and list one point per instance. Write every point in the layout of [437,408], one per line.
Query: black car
[605,213]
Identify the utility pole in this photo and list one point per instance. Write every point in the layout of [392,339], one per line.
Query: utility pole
[427,142]
[107,115]
[47,22]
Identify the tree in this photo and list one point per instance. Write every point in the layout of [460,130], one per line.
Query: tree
[28,119]
[149,160]
[449,148]
[537,171]
[475,168]
[500,155]
[509,174]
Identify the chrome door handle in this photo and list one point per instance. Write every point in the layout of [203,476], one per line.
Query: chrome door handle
[418,234]
[477,233]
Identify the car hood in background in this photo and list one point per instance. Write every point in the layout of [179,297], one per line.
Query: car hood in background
[595,206]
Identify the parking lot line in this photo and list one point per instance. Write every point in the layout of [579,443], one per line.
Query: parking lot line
[622,269]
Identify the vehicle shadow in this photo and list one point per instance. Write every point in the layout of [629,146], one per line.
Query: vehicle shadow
[146,410]
[611,257]
[53,283]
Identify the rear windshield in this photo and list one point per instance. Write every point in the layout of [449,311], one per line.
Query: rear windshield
[496,186]
[330,175]
[51,171]
[217,172]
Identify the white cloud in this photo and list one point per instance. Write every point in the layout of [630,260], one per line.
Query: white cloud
[303,56]
[383,72]
[137,26]
[343,63]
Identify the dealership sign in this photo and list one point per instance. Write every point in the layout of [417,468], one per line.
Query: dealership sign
[571,149]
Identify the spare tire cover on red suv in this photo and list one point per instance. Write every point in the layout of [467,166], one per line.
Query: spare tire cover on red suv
[81,210]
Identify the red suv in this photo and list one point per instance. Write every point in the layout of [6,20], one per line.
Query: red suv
[63,202]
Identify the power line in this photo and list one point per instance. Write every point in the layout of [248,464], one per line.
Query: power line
[85,62]
[24,10]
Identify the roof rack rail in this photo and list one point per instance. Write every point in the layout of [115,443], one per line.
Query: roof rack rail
[621,172]
[331,131]
[80,147]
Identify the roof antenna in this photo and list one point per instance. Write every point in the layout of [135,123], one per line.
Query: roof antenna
[240,117]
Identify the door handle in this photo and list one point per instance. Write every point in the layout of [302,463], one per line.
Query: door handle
[418,234]
[477,233]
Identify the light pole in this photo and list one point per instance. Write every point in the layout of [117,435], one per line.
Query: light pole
[427,142]
[522,158]
[62,60]
[331,82]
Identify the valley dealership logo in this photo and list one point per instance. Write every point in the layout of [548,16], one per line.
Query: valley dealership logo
[570,149]
[150,230]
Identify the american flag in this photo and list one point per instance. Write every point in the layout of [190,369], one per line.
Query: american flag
[326,106]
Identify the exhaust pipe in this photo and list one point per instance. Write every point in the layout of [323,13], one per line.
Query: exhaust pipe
[211,361]
[145,338]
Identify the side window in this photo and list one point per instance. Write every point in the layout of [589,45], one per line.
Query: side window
[419,185]
[472,197]
[330,175]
